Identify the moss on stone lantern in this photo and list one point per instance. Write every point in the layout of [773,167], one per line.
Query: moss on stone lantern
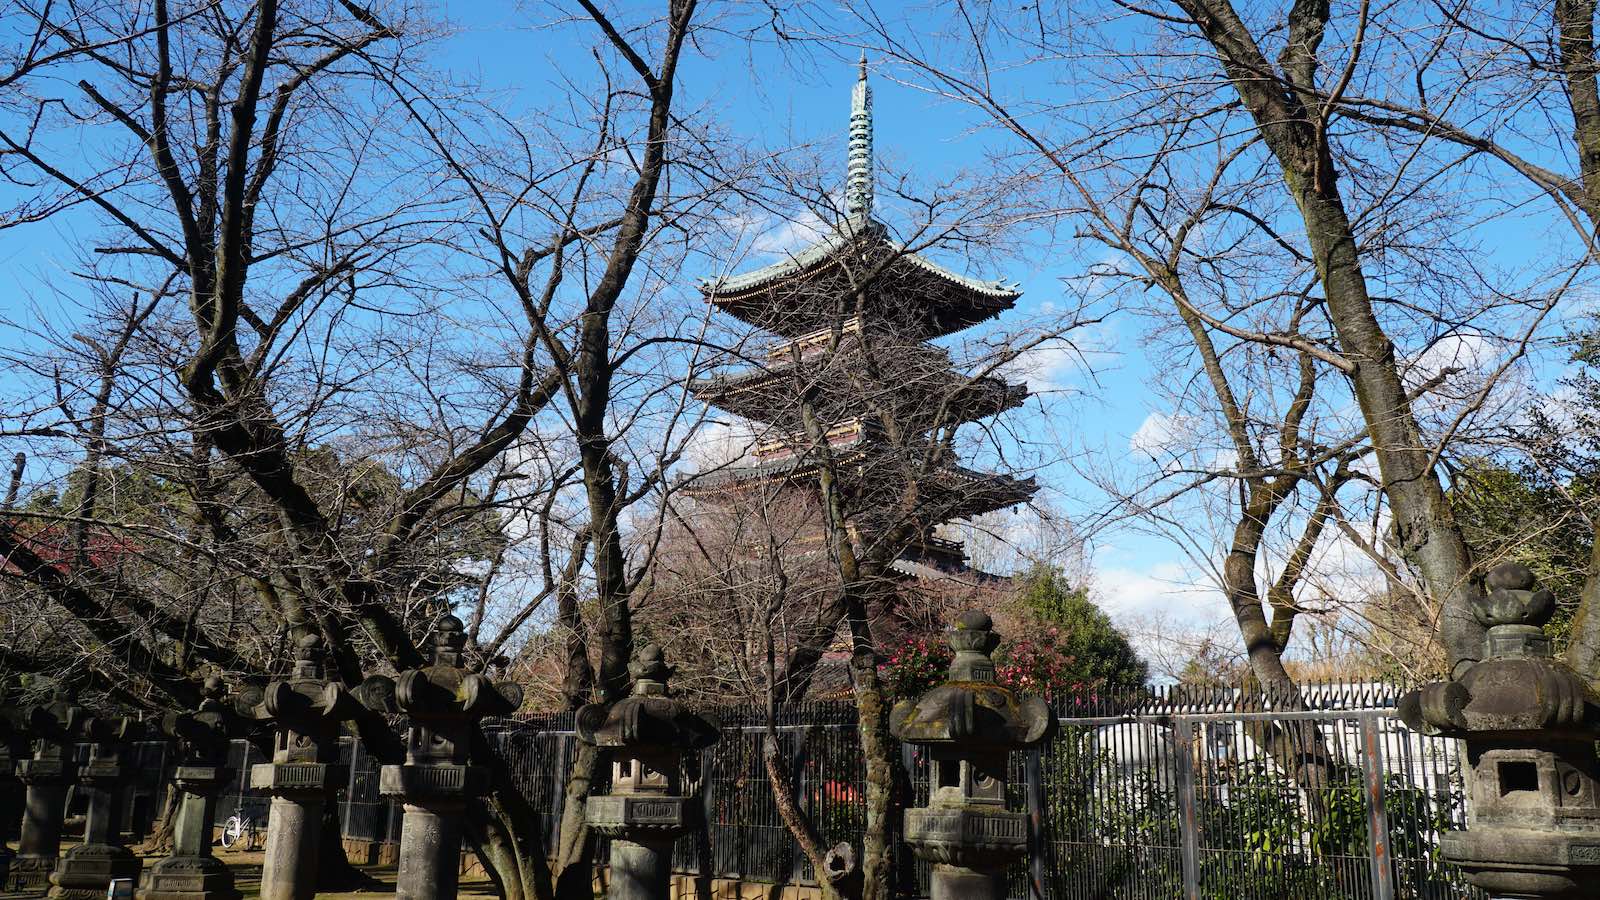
[969,726]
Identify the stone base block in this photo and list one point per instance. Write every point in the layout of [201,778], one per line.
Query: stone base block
[86,871]
[188,878]
[1526,862]
[639,817]
[977,836]
[31,873]
[371,853]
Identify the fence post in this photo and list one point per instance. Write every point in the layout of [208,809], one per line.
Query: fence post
[558,792]
[708,816]
[350,789]
[1372,774]
[1188,813]
[1033,776]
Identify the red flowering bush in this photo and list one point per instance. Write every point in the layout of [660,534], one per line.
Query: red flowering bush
[915,666]
[1035,665]
[1041,666]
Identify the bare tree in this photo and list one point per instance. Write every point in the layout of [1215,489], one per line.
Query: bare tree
[407,314]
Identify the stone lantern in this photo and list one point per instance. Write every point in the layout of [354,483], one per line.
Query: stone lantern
[305,712]
[86,871]
[13,748]
[647,734]
[1530,725]
[445,703]
[969,726]
[191,872]
[51,726]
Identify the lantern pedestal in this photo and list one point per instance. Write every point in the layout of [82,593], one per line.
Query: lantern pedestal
[445,703]
[304,711]
[86,871]
[642,829]
[191,872]
[435,801]
[294,826]
[648,734]
[47,776]
[44,807]
[969,726]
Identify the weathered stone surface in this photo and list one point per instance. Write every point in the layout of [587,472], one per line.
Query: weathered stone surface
[969,726]
[433,780]
[293,848]
[191,872]
[445,701]
[305,712]
[619,815]
[967,835]
[13,747]
[648,732]
[1529,724]
[86,871]
[47,776]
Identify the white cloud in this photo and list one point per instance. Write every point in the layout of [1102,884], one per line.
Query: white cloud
[1162,434]
[1469,352]
[1170,588]
[719,443]
[791,235]
[1045,367]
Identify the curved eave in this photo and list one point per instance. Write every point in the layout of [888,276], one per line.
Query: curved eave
[983,492]
[749,393]
[743,293]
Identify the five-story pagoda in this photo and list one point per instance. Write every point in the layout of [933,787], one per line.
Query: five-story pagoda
[855,370]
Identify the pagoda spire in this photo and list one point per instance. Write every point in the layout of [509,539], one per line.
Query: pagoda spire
[858,189]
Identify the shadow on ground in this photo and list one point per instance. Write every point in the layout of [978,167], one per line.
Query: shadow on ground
[246,866]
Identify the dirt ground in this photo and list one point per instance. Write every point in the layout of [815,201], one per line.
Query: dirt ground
[246,866]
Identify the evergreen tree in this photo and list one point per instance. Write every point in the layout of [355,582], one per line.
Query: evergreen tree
[1095,651]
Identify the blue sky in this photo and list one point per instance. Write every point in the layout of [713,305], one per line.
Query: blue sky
[803,98]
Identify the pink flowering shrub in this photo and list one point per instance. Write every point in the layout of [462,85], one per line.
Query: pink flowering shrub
[915,666]
[1039,665]
[1036,665]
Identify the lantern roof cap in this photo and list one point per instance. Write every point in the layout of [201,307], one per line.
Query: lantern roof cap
[970,708]
[648,718]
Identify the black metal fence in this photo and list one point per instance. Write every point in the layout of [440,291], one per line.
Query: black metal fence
[1168,793]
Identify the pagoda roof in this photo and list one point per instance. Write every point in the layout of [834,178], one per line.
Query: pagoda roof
[945,300]
[979,492]
[760,392]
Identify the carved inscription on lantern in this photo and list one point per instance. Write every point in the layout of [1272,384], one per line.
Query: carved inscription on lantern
[967,826]
[293,776]
[1586,855]
[656,811]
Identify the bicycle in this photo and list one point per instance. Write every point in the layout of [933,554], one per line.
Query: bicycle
[239,829]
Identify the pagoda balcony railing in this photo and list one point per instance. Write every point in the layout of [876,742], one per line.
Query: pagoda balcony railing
[810,344]
[944,545]
[844,434]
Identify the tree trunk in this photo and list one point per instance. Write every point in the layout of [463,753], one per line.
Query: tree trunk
[575,846]
[334,870]
[1424,527]
[161,831]
[872,716]
[794,819]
